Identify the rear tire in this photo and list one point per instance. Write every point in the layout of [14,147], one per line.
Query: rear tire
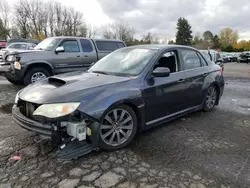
[118,128]
[210,98]
[34,75]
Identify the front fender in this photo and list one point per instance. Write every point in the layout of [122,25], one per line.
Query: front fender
[26,65]
[100,104]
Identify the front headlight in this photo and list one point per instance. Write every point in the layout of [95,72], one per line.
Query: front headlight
[56,110]
[11,58]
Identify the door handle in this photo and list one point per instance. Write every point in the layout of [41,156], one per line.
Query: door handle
[78,56]
[181,80]
[86,56]
[205,74]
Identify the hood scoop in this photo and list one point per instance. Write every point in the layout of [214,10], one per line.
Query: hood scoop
[56,82]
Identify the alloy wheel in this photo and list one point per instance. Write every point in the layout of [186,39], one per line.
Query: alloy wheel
[117,127]
[211,97]
[37,76]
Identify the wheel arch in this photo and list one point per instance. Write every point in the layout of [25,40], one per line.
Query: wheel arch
[138,109]
[44,65]
[218,92]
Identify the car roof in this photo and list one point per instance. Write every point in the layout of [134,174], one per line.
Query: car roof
[69,37]
[161,46]
[21,43]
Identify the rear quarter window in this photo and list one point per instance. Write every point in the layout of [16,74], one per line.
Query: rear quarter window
[120,45]
[106,45]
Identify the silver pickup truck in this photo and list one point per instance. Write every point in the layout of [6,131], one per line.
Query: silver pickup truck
[57,55]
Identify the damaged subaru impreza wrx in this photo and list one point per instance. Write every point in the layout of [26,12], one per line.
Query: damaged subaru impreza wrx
[130,89]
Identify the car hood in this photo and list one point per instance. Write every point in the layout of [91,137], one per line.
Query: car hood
[20,51]
[74,86]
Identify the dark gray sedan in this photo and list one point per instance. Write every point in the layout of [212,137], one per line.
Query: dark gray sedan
[129,90]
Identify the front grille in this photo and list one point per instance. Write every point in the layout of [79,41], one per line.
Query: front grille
[27,108]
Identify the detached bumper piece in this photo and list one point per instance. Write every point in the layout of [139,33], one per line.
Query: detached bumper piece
[74,149]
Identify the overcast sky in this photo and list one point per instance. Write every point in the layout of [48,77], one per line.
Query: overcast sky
[160,16]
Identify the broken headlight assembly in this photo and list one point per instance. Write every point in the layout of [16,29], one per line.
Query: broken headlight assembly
[56,110]
[11,58]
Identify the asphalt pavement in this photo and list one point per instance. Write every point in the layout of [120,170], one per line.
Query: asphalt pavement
[200,150]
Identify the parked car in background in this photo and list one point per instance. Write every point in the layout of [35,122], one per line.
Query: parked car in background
[14,47]
[14,40]
[130,90]
[224,57]
[57,55]
[235,56]
[2,44]
[214,56]
[230,57]
[244,57]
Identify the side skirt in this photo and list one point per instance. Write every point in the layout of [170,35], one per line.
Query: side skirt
[171,117]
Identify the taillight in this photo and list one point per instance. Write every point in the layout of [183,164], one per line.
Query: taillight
[221,69]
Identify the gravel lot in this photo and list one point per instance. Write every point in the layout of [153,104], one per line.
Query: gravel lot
[197,151]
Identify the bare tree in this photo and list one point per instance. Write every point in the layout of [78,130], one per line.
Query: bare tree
[107,32]
[118,30]
[4,19]
[91,31]
[4,12]
[21,19]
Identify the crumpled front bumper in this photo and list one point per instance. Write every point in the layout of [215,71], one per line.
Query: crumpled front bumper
[4,67]
[69,148]
[30,125]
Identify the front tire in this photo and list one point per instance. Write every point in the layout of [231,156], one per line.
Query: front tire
[12,79]
[118,128]
[34,75]
[210,98]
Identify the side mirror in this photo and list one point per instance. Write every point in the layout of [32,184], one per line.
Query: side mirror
[161,72]
[60,49]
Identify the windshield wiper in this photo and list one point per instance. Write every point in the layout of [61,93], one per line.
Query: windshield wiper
[100,72]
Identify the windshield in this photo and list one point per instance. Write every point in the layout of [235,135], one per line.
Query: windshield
[17,46]
[47,44]
[125,61]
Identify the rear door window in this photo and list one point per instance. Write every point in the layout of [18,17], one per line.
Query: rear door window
[106,45]
[86,45]
[190,59]
[203,62]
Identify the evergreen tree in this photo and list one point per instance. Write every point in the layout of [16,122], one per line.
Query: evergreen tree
[184,32]
[216,41]
[208,36]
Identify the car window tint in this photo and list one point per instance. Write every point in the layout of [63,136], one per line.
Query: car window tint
[203,62]
[190,59]
[106,45]
[70,46]
[86,45]
[120,45]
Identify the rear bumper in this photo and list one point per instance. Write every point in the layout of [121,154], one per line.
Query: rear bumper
[30,125]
